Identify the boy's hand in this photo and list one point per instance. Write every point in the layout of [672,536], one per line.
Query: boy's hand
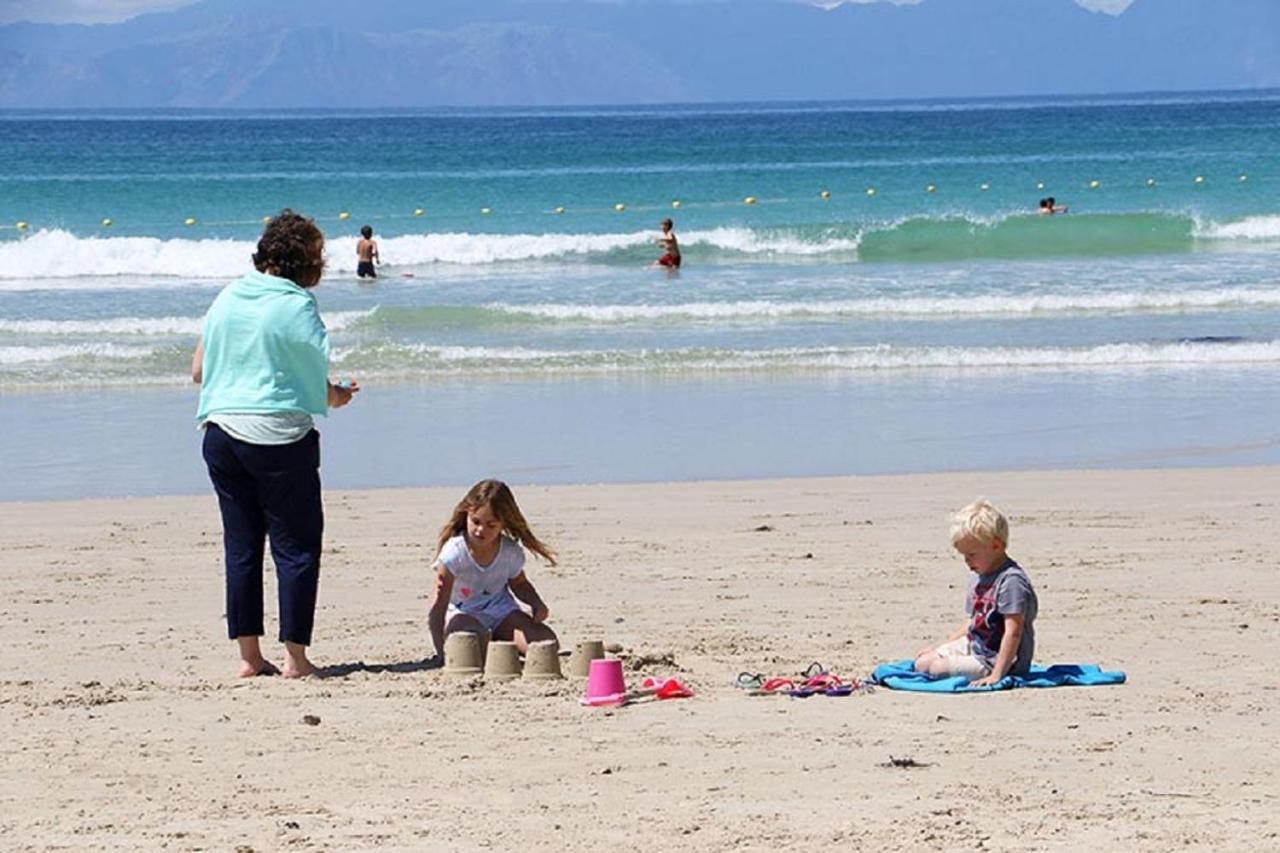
[988,681]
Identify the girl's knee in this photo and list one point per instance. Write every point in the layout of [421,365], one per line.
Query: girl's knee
[535,632]
[462,622]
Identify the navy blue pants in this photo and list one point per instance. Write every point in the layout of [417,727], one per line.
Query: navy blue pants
[268,491]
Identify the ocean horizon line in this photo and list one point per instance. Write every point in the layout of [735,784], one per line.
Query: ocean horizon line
[641,108]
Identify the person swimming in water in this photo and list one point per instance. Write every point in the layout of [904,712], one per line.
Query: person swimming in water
[1050,206]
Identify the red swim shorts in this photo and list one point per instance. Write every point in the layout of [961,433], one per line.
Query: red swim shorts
[669,260]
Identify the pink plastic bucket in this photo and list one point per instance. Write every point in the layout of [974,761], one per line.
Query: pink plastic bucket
[605,685]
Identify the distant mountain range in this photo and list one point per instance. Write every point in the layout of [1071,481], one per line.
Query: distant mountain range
[384,53]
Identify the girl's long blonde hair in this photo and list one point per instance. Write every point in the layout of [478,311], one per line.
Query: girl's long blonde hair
[497,496]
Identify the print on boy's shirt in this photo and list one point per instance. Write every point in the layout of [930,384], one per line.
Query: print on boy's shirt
[988,626]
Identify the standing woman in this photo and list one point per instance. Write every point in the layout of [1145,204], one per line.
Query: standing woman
[263,368]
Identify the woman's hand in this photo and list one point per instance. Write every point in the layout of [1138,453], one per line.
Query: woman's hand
[340,394]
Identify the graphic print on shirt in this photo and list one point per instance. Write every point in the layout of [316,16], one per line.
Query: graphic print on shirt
[988,625]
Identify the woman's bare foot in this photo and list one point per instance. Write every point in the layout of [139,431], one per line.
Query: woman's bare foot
[296,664]
[249,669]
[252,662]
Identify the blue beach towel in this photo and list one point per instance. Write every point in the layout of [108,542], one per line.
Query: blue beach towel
[900,675]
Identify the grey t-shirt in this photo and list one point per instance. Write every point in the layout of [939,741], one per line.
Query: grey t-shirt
[991,597]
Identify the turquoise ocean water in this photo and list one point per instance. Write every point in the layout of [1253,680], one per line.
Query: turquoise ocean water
[887,302]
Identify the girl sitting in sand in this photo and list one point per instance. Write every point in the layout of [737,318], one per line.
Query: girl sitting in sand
[480,564]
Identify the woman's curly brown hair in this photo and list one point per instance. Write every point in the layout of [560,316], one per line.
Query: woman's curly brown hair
[287,247]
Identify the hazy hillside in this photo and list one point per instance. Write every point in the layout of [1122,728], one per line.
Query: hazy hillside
[332,53]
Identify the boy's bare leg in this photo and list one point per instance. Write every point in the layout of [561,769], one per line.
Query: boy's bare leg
[296,664]
[252,661]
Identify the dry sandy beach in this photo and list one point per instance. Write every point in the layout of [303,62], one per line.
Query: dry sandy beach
[124,727]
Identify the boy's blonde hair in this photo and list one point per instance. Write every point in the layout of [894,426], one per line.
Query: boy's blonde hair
[981,521]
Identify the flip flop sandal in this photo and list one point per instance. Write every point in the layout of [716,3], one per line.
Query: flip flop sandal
[814,685]
[826,684]
[749,681]
[813,670]
[772,687]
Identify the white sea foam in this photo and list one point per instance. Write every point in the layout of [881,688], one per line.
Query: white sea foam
[416,359]
[1253,228]
[29,355]
[941,307]
[147,326]
[61,256]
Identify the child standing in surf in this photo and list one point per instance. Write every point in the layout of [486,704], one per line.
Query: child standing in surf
[670,247]
[366,254]
[479,571]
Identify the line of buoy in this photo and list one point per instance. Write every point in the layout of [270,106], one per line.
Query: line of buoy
[676,204]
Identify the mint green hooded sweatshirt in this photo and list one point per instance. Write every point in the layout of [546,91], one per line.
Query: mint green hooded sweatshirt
[265,350]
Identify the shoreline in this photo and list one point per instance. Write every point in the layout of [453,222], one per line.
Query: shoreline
[635,430]
[124,713]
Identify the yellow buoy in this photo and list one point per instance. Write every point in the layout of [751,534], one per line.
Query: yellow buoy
[1199,179]
[749,200]
[619,207]
[1094,184]
[1151,182]
[984,186]
[190,220]
[825,195]
[486,211]
[559,210]
[21,225]
[417,211]
[871,190]
[1039,185]
[931,188]
[675,203]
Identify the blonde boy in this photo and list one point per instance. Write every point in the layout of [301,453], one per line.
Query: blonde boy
[999,638]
